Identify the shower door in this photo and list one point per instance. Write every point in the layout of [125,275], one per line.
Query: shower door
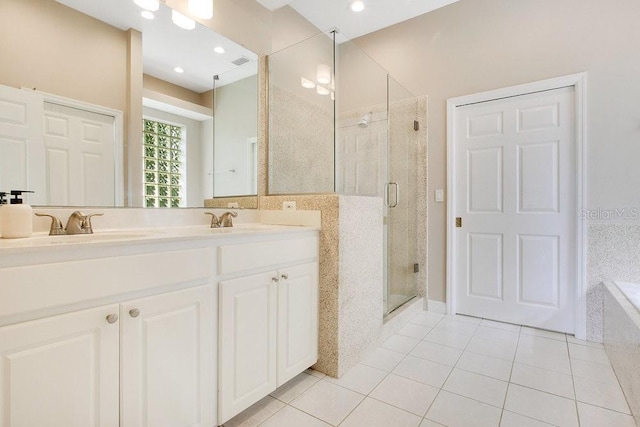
[400,194]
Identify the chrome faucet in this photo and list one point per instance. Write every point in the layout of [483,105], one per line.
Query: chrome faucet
[78,223]
[226,219]
[215,222]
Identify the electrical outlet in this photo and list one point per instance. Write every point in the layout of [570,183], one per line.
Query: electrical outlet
[439,195]
[233,205]
[289,206]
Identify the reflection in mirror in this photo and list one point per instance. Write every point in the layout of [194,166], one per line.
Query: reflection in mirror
[301,117]
[235,113]
[79,55]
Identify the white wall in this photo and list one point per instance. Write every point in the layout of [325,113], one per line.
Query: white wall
[478,45]
[235,115]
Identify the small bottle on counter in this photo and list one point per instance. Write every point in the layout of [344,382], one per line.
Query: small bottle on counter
[16,218]
[3,201]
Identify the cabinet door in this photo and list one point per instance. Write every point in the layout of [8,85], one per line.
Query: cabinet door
[297,320]
[168,359]
[61,370]
[247,343]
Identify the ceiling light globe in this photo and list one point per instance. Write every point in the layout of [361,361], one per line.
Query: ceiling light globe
[150,5]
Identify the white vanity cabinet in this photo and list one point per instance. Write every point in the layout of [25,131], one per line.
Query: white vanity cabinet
[156,355]
[167,359]
[268,319]
[61,370]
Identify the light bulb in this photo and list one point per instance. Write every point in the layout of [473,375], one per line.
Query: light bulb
[146,14]
[182,21]
[357,6]
[218,49]
[178,70]
[201,8]
[150,5]
[322,90]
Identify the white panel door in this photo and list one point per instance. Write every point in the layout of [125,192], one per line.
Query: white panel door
[247,342]
[515,192]
[297,320]
[21,149]
[61,371]
[168,360]
[80,152]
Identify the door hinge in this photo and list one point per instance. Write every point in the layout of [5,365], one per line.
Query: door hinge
[458,222]
[416,268]
[416,125]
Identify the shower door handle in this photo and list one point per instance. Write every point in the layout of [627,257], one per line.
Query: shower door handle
[387,198]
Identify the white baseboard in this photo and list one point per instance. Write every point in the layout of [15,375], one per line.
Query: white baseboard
[437,306]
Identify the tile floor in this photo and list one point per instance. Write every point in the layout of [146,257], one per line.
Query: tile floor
[456,371]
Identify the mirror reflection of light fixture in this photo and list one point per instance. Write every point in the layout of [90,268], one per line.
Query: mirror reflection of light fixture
[150,5]
[201,8]
[323,74]
[182,21]
[322,90]
[307,84]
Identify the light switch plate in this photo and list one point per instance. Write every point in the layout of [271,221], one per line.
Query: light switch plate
[439,195]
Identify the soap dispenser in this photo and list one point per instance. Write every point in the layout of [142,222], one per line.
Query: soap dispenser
[16,218]
[3,201]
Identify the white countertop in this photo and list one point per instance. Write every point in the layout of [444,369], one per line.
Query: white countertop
[140,235]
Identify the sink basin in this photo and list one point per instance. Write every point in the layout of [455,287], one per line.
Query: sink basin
[104,236]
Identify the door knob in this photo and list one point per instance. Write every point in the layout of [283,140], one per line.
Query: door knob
[112,318]
[134,312]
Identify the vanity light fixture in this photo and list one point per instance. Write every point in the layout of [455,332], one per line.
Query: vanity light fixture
[323,74]
[201,8]
[307,84]
[357,6]
[150,5]
[178,70]
[218,49]
[182,21]
[147,15]
[322,90]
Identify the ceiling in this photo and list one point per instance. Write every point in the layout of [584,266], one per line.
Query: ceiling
[165,46]
[378,14]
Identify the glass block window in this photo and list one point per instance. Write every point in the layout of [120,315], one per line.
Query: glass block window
[163,164]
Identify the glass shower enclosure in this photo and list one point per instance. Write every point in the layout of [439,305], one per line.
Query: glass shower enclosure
[340,123]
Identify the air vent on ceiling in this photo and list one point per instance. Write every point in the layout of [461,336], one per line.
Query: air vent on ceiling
[241,60]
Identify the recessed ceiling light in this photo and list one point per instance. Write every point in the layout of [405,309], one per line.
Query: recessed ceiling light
[151,5]
[218,49]
[146,14]
[178,70]
[182,21]
[308,84]
[357,6]
[201,8]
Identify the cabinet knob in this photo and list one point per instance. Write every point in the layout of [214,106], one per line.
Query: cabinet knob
[112,318]
[275,279]
[285,276]
[134,312]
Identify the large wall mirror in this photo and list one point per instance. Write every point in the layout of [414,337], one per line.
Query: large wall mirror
[70,71]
